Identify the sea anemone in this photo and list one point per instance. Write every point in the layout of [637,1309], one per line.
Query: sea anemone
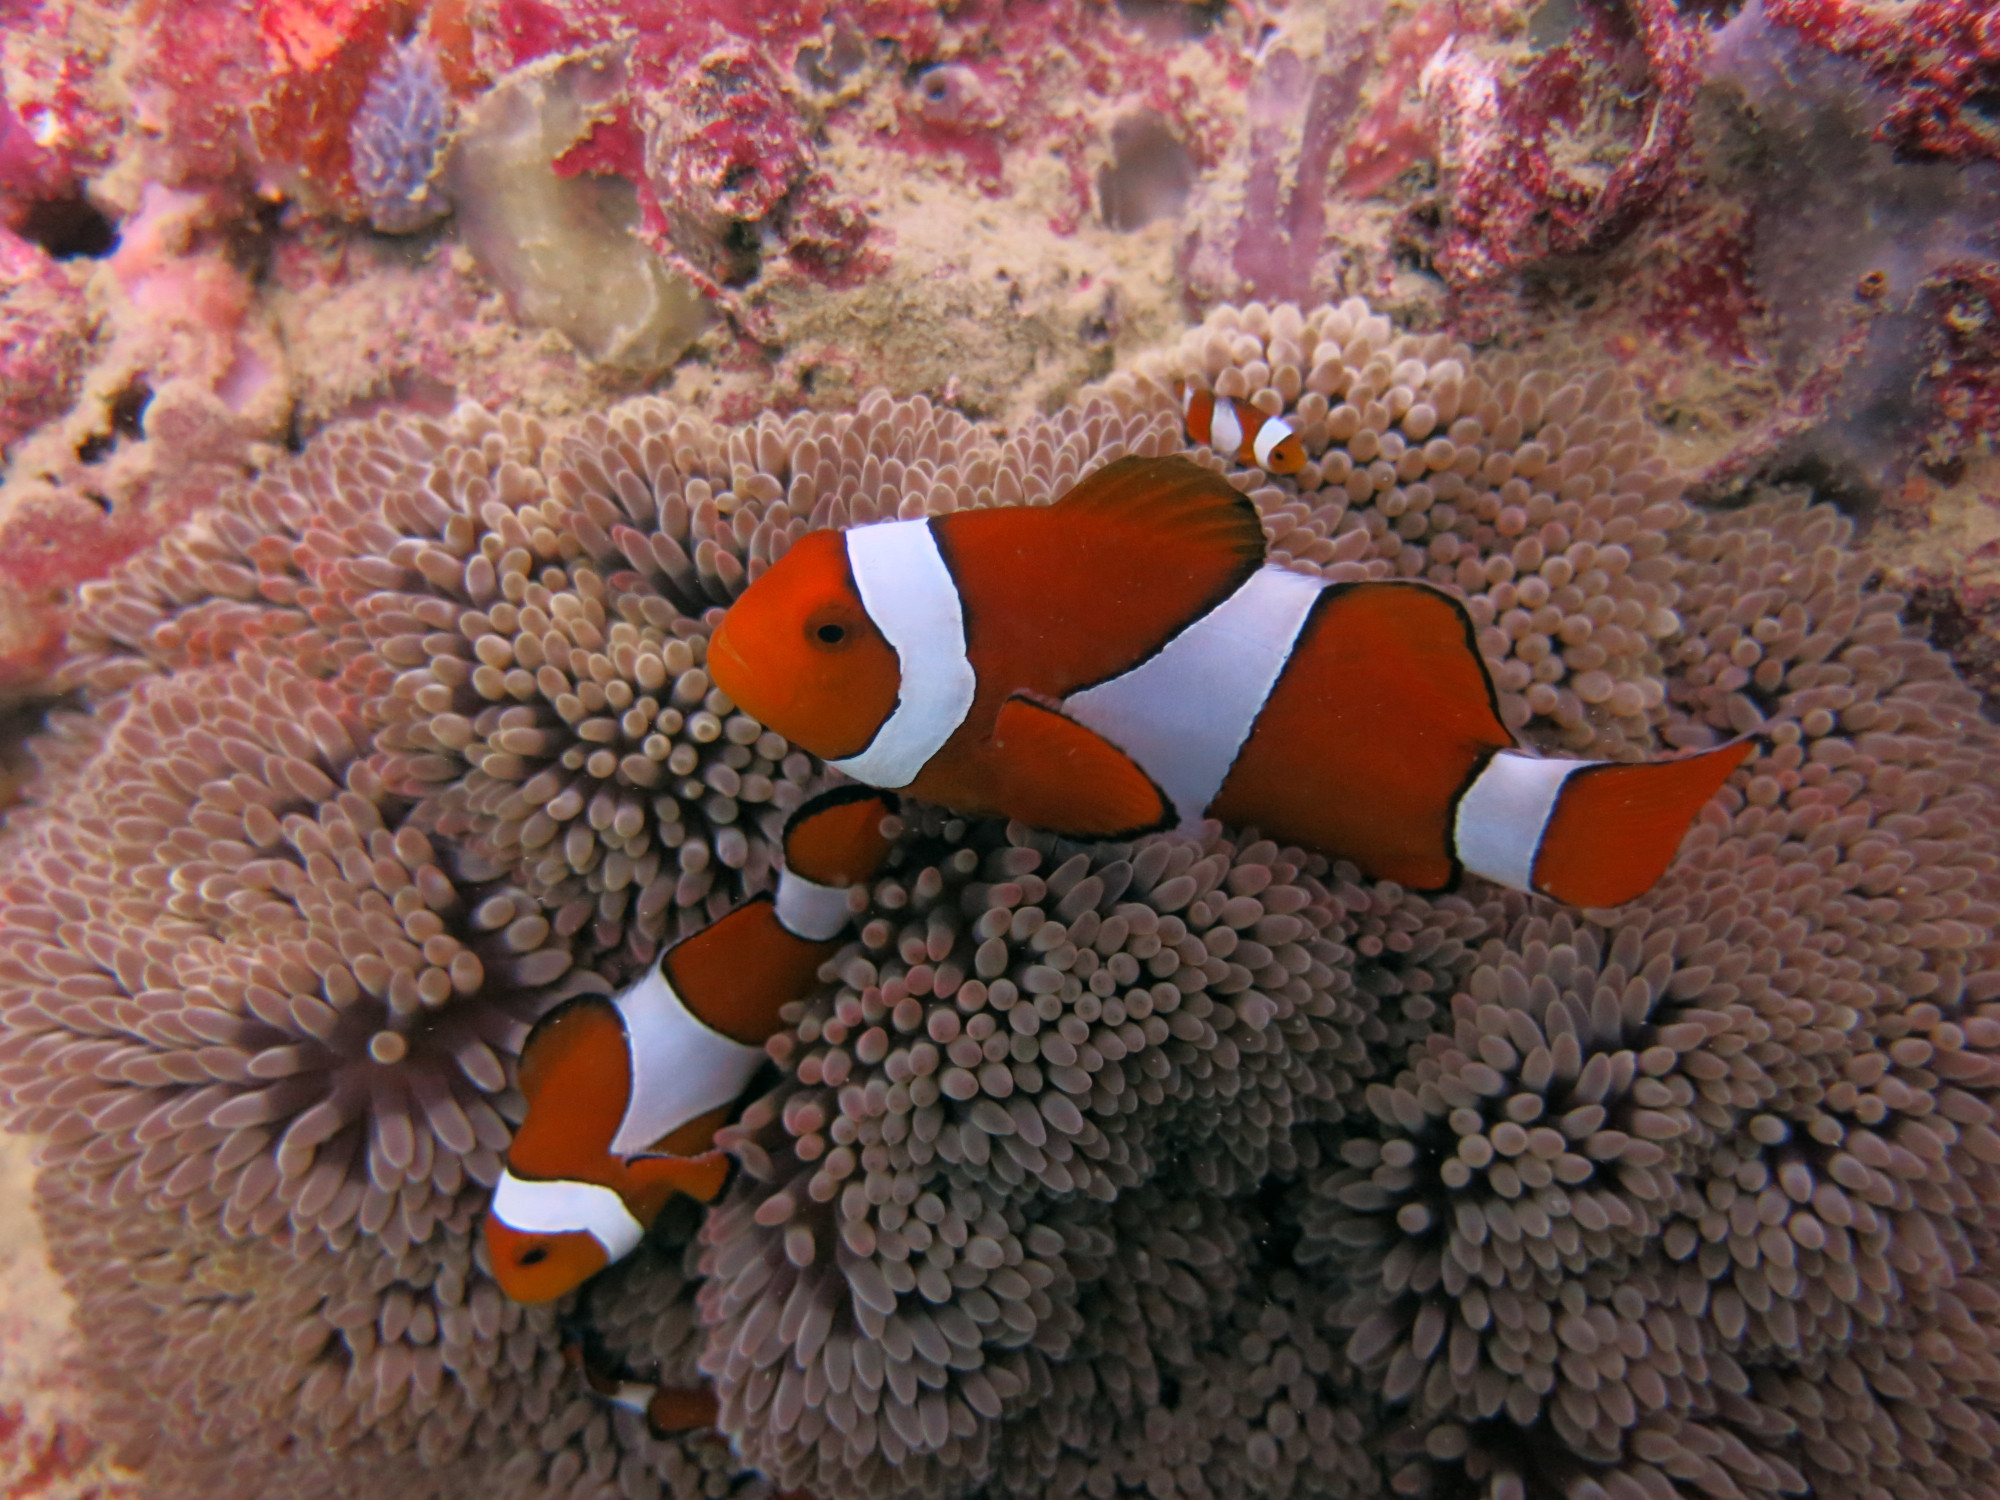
[1188,1167]
[1003,1044]
[238,982]
[1663,1159]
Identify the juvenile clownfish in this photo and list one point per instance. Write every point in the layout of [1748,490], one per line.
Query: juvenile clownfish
[1122,660]
[625,1094]
[1238,430]
[666,1408]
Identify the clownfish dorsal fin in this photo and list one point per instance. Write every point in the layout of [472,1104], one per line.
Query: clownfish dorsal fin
[1057,597]
[1176,499]
[1056,774]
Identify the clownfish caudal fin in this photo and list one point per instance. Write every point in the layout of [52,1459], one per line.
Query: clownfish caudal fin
[1592,833]
[675,1408]
[1056,774]
[1615,828]
[835,839]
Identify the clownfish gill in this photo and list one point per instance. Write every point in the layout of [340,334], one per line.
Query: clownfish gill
[625,1094]
[1124,661]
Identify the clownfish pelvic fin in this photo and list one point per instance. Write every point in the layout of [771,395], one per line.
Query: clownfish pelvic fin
[1056,773]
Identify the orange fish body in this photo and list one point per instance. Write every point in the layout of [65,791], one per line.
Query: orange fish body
[1123,661]
[1239,431]
[625,1094]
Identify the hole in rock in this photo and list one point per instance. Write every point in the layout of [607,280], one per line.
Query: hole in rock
[1150,174]
[128,411]
[69,228]
[1172,20]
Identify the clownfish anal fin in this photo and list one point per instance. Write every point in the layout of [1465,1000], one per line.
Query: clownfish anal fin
[1174,496]
[1054,773]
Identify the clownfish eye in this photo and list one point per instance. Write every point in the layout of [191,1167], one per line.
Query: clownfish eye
[534,1255]
[831,628]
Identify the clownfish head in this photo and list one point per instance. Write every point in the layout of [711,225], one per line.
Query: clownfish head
[541,1265]
[798,651]
[1288,456]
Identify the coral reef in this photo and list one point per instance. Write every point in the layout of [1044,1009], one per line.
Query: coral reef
[1938,58]
[782,208]
[374,551]
[1191,1167]
[1569,156]
[561,247]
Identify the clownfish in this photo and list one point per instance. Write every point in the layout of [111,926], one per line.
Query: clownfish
[625,1094]
[1123,660]
[666,1408]
[1238,430]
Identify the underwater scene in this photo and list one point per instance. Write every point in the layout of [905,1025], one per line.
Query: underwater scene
[999,750]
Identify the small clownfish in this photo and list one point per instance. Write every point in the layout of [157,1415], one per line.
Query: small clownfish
[1123,660]
[666,1408]
[1238,430]
[625,1094]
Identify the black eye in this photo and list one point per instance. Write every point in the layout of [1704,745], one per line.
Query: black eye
[831,635]
[534,1256]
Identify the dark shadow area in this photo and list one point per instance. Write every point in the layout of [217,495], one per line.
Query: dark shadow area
[68,228]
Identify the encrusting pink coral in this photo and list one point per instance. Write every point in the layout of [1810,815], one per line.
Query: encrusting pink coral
[1193,1167]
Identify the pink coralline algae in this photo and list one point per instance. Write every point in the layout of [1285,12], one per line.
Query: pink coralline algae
[1963,370]
[1518,193]
[1940,59]
[44,311]
[725,148]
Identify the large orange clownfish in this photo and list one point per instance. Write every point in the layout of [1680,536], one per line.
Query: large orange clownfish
[1123,660]
[625,1094]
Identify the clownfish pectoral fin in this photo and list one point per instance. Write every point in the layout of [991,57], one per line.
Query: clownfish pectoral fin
[1616,827]
[835,839]
[1056,774]
[1173,502]
[700,1177]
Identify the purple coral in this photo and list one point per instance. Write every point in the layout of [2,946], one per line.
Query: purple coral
[398,138]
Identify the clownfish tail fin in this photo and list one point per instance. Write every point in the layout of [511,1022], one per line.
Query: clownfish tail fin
[673,1408]
[1591,833]
[836,838]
